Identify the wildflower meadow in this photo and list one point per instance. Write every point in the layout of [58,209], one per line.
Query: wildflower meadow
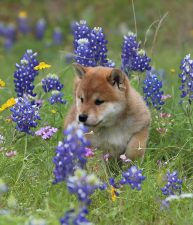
[50,175]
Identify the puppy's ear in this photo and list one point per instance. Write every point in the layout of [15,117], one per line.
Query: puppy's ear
[117,77]
[79,70]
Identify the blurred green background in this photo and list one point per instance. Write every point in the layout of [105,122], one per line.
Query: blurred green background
[115,16]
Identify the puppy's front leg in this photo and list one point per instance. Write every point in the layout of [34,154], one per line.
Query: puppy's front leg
[137,145]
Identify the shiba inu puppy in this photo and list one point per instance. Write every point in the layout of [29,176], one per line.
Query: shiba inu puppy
[115,113]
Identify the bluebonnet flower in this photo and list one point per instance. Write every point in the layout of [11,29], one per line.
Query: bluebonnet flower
[83,185]
[110,63]
[133,57]
[152,91]
[70,154]
[23,23]
[10,32]
[99,46]
[57,97]
[51,82]
[80,30]
[187,78]
[57,36]
[173,185]
[25,74]
[133,177]
[84,54]
[40,29]
[113,184]
[8,43]
[90,45]
[25,115]
[73,218]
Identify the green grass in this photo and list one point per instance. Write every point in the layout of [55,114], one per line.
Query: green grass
[29,174]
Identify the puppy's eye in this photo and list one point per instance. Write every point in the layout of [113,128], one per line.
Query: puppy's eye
[99,102]
[81,99]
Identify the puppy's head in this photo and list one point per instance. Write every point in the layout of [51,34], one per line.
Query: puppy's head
[101,95]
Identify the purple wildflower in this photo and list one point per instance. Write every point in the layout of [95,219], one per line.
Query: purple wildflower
[73,218]
[90,45]
[133,177]
[82,185]
[84,54]
[8,44]
[51,82]
[46,132]
[187,78]
[10,32]
[133,57]
[80,31]
[70,154]
[173,185]
[56,98]
[89,152]
[23,23]
[25,115]
[152,91]
[40,29]
[57,36]
[25,74]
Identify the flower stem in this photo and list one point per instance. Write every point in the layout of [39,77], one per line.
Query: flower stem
[23,163]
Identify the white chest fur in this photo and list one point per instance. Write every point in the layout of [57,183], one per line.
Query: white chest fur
[115,139]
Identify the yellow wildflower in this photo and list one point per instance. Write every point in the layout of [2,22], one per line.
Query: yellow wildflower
[172,70]
[8,120]
[53,111]
[113,194]
[22,14]
[2,83]
[41,66]
[10,102]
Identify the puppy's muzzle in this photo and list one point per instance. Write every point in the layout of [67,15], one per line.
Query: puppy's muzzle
[82,118]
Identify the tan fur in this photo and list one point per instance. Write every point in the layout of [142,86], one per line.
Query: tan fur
[120,124]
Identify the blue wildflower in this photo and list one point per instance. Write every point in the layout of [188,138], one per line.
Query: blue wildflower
[187,78]
[23,25]
[57,97]
[133,57]
[133,177]
[40,29]
[152,91]
[8,43]
[51,82]
[110,63]
[25,115]
[99,46]
[80,31]
[57,36]
[113,184]
[83,185]
[90,45]
[10,32]
[84,54]
[25,74]
[73,218]
[173,185]
[70,154]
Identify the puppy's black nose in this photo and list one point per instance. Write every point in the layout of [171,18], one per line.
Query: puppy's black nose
[82,118]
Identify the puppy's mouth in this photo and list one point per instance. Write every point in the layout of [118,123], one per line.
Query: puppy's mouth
[93,125]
